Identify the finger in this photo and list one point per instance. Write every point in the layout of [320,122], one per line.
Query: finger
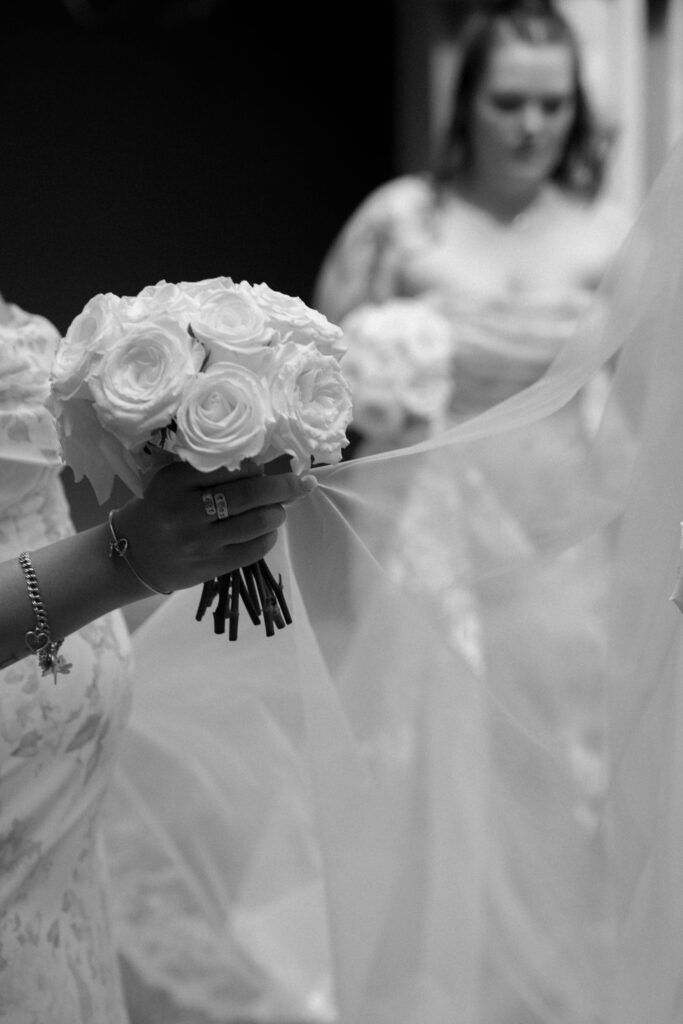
[236,556]
[247,526]
[258,491]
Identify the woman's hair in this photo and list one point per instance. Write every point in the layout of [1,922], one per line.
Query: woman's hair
[582,165]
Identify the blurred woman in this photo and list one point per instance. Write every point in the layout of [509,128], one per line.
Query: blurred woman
[510,233]
[508,239]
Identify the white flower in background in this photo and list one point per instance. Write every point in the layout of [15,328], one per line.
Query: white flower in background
[141,377]
[311,403]
[224,417]
[398,364]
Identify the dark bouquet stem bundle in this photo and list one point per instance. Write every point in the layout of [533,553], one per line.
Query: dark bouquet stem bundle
[256,588]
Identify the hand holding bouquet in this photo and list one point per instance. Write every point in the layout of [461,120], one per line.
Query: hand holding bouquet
[217,374]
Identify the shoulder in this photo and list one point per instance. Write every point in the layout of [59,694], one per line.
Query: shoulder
[603,215]
[598,225]
[28,343]
[398,199]
[611,217]
[28,331]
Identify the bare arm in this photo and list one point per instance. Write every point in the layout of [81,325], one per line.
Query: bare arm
[172,545]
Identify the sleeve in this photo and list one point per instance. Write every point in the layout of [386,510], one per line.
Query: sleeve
[363,262]
[28,436]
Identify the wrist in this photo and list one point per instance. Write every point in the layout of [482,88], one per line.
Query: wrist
[39,640]
[119,548]
[79,582]
[133,523]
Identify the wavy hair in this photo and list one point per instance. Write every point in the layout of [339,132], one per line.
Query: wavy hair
[581,167]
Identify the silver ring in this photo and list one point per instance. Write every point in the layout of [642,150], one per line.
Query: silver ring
[221,505]
[209,504]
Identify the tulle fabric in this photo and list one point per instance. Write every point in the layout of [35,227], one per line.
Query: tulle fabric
[371,817]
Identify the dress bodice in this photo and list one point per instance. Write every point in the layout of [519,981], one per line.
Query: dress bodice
[515,297]
[503,345]
[57,741]
[513,293]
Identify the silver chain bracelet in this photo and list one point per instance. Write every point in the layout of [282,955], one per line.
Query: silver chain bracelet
[39,640]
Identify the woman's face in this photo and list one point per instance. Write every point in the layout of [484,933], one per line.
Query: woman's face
[522,114]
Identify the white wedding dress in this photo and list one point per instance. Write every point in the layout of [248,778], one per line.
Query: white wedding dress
[450,792]
[58,740]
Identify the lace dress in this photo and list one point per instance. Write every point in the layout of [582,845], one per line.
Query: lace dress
[514,299]
[57,741]
[471,535]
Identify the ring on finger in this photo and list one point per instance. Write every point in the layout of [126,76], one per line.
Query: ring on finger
[209,504]
[221,505]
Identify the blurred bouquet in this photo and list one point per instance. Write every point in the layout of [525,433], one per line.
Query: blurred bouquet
[214,373]
[398,364]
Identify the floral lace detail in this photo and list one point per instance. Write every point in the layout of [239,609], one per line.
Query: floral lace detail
[57,742]
[431,547]
[27,347]
[457,518]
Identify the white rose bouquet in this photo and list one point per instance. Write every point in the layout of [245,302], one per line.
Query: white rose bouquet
[215,373]
[398,364]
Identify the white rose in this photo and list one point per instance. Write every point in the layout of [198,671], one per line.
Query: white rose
[209,288]
[398,352]
[312,405]
[140,379]
[428,397]
[409,328]
[155,300]
[377,414]
[372,365]
[80,350]
[426,336]
[231,326]
[296,321]
[377,407]
[69,371]
[224,417]
[96,324]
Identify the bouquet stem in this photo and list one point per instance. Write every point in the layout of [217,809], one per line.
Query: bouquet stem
[257,589]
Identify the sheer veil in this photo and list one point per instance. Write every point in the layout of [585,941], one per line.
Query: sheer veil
[355,820]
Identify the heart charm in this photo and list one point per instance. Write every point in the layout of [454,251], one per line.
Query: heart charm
[36,640]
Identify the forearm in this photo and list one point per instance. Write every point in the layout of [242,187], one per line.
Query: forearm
[78,582]
[170,543]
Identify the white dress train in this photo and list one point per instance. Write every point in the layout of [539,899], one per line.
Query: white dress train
[384,813]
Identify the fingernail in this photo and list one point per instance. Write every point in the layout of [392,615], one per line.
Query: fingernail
[308,482]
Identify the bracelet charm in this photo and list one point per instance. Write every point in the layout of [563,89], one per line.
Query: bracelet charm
[39,640]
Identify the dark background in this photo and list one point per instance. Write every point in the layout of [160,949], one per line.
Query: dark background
[148,140]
